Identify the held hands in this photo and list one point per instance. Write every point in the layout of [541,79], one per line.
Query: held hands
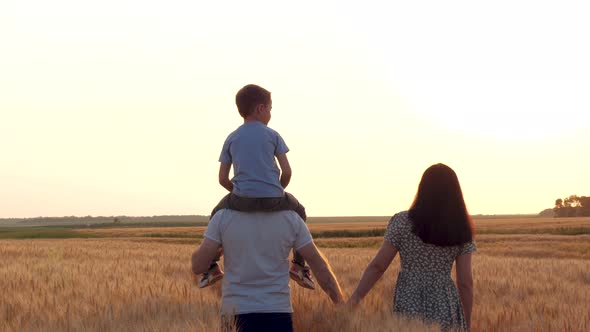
[351,304]
[353,301]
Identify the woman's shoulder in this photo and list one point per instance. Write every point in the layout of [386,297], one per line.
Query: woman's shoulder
[401,217]
[399,220]
[397,229]
[467,248]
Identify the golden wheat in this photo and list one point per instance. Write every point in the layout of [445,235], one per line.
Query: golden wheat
[507,225]
[145,284]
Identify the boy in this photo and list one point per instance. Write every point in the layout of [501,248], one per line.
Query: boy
[258,184]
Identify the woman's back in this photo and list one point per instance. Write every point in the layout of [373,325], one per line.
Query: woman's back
[424,286]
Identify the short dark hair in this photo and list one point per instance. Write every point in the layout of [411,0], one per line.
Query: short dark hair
[438,214]
[249,97]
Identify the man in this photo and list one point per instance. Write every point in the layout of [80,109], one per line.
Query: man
[256,247]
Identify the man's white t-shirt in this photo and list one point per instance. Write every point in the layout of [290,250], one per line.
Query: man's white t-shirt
[256,249]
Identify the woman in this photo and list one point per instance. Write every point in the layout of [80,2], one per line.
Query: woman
[434,233]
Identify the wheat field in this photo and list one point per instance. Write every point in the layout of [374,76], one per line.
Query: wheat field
[523,282]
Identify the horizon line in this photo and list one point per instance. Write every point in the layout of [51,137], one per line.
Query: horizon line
[206,215]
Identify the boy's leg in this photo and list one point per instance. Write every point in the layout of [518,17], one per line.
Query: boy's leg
[299,271]
[238,203]
[249,204]
[223,204]
[215,259]
[265,204]
[298,259]
[291,203]
[214,272]
[286,203]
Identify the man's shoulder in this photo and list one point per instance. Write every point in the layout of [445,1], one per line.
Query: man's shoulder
[228,214]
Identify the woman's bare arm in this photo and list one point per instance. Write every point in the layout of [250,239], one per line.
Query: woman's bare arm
[374,271]
[465,285]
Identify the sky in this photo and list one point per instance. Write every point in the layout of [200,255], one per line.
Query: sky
[121,107]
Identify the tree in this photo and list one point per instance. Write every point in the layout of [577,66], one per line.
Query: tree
[585,206]
[558,209]
[572,206]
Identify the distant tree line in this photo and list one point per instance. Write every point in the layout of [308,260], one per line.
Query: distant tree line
[573,206]
[107,219]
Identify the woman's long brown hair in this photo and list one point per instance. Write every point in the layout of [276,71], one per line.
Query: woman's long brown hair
[439,215]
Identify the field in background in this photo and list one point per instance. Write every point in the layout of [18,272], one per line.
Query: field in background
[527,278]
[338,227]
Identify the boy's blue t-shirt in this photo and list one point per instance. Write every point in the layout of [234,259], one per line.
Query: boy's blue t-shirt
[252,149]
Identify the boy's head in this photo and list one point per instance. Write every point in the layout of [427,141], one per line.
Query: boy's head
[250,97]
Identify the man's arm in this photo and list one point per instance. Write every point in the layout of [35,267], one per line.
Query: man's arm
[323,272]
[374,271]
[224,177]
[204,255]
[285,169]
[465,285]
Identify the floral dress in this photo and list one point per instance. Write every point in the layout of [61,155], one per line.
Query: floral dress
[424,286]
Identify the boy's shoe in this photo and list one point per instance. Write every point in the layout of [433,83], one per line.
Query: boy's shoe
[301,276]
[210,277]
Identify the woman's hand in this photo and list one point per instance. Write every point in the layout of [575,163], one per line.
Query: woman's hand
[374,271]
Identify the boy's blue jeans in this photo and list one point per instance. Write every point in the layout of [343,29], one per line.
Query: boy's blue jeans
[270,204]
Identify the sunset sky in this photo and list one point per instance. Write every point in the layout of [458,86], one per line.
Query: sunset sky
[121,107]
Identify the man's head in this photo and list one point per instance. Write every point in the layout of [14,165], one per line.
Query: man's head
[254,103]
